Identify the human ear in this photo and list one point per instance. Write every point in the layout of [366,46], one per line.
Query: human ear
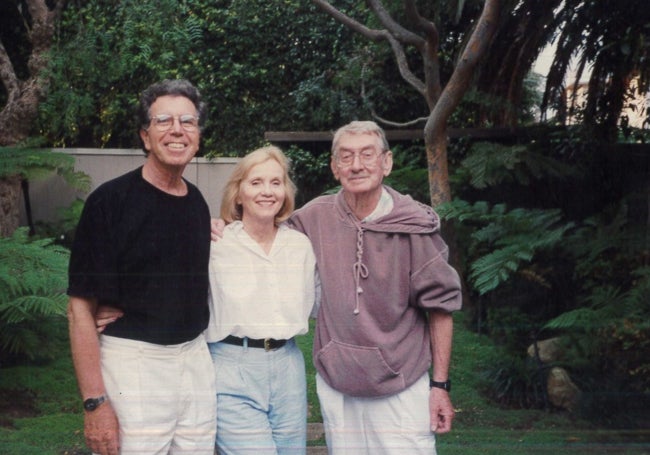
[387,162]
[146,140]
[335,169]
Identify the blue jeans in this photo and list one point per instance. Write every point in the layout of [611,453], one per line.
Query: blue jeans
[261,400]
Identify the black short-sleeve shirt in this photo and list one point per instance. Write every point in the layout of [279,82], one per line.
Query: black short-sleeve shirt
[146,252]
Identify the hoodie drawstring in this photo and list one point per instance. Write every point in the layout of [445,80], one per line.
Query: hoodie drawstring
[359,269]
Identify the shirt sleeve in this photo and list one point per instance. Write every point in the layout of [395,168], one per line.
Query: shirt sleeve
[435,284]
[93,269]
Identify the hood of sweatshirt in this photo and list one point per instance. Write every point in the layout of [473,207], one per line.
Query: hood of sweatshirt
[407,217]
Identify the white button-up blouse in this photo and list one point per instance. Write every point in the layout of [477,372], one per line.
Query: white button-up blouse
[256,295]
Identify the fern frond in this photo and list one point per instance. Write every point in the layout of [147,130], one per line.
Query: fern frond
[490,164]
[19,340]
[583,319]
[35,164]
[30,307]
[533,276]
[512,238]
[463,210]
[33,277]
[606,305]
[495,268]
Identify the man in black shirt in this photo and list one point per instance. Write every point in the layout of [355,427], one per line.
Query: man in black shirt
[142,245]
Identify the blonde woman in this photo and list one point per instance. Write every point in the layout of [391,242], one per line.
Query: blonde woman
[262,292]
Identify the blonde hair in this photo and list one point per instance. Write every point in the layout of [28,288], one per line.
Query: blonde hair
[231,210]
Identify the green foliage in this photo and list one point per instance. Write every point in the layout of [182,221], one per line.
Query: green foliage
[63,229]
[310,172]
[516,382]
[610,42]
[478,106]
[33,278]
[490,164]
[608,247]
[249,58]
[609,329]
[107,53]
[33,164]
[504,241]
[532,272]
[410,175]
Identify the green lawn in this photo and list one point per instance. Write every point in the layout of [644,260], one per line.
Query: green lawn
[40,412]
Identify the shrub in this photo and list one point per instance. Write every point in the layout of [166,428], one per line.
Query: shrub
[33,277]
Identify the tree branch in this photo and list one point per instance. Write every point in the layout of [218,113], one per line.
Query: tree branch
[398,124]
[376,35]
[430,59]
[400,33]
[376,116]
[428,28]
[461,77]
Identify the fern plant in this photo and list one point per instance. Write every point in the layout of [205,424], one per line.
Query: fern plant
[503,242]
[35,163]
[611,324]
[33,278]
[489,164]
[608,349]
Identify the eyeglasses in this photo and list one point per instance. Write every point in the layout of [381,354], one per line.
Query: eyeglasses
[165,122]
[367,157]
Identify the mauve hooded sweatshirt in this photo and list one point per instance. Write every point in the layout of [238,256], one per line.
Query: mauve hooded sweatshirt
[378,280]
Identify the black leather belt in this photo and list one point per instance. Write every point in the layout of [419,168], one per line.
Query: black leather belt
[269,344]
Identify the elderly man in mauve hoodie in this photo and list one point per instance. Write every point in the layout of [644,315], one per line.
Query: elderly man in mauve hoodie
[387,297]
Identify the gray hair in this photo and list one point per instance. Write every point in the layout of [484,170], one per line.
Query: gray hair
[169,87]
[360,127]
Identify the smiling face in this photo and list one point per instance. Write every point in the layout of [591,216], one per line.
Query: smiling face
[176,146]
[262,192]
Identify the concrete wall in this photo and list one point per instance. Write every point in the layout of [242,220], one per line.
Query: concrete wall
[51,194]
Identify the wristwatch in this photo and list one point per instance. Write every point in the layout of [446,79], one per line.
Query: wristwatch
[441,385]
[93,403]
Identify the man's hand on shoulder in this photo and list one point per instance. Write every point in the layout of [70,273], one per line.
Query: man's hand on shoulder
[217,226]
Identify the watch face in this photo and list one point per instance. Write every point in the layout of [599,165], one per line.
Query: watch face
[92,403]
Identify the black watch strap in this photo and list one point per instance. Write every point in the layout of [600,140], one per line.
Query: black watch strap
[441,385]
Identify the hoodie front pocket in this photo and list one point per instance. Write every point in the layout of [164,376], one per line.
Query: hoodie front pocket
[358,371]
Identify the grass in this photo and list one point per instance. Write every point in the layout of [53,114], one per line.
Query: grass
[40,412]
[481,427]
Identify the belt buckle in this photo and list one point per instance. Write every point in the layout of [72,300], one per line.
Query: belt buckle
[267,344]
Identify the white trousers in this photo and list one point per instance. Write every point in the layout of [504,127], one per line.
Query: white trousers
[164,396]
[394,425]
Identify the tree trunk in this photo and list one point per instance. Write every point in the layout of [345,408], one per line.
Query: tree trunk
[23,96]
[436,148]
[9,204]
[435,130]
